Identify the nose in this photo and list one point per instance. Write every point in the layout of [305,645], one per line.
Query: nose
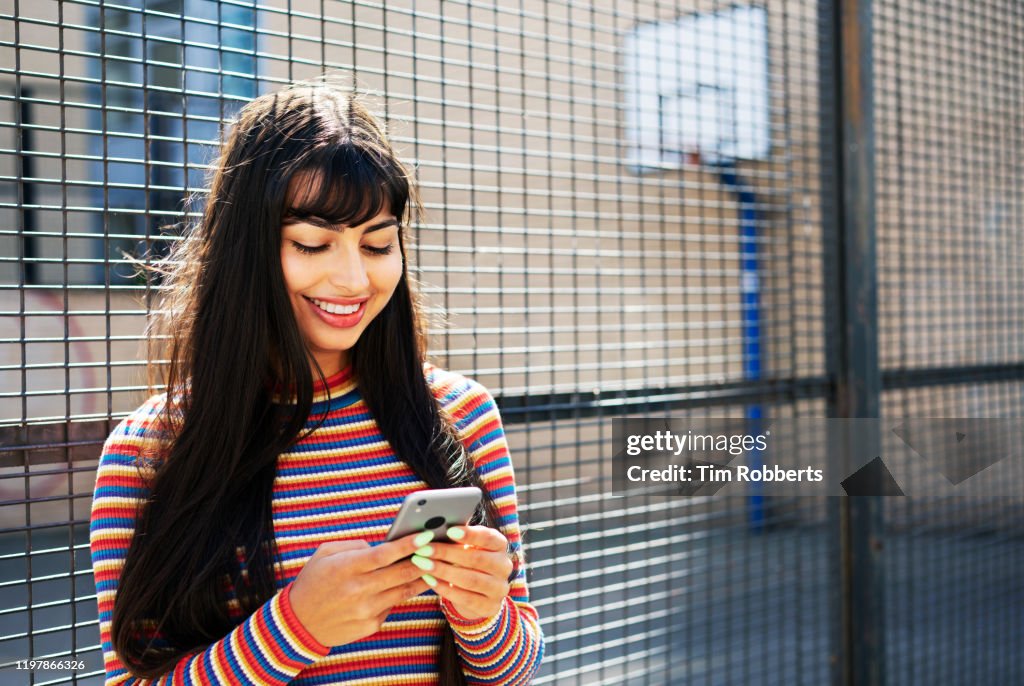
[348,273]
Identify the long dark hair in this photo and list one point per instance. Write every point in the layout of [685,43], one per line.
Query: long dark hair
[231,341]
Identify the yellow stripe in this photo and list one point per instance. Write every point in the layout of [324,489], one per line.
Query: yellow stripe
[398,680]
[364,656]
[193,669]
[236,647]
[472,394]
[219,655]
[268,654]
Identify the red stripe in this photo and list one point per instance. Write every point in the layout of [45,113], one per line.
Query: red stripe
[364,480]
[508,655]
[248,657]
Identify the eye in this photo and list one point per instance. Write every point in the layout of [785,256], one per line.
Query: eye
[386,250]
[309,249]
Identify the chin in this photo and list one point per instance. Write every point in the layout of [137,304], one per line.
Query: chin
[332,346]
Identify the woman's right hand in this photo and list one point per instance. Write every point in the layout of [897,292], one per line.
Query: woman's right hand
[347,588]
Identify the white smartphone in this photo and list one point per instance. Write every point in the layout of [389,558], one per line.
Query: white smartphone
[435,510]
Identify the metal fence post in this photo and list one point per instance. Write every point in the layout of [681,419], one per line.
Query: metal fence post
[845,41]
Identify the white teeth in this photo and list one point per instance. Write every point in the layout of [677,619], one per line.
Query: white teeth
[335,309]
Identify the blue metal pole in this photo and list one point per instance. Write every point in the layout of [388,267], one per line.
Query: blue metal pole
[751,306]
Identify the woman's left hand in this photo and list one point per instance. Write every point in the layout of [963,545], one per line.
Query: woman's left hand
[471,572]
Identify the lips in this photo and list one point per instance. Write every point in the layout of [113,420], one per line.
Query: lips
[342,317]
[336,308]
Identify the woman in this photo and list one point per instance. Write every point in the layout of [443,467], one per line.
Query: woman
[238,521]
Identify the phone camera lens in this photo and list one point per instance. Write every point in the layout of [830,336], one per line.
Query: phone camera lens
[422,503]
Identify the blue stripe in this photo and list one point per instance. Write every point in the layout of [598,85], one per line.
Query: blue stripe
[486,439]
[248,637]
[341,489]
[410,616]
[494,465]
[501,492]
[113,456]
[359,646]
[488,635]
[106,586]
[281,640]
[336,402]
[310,446]
[385,671]
[339,465]
[138,493]
[305,448]
[313,528]
[101,523]
[110,554]
[207,662]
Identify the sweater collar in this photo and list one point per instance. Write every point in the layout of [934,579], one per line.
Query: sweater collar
[335,385]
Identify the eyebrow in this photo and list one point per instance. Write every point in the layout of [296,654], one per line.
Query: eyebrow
[322,223]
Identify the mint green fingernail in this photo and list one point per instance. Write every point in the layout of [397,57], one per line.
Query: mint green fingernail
[422,562]
[431,581]
[425,551]
[423,538]
[456,533]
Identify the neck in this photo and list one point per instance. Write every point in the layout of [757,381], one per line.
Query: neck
[330,364]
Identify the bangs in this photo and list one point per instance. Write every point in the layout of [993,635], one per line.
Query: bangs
[347,186]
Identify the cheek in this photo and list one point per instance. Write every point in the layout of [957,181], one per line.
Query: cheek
[388,273]
[295,275]
[296,280]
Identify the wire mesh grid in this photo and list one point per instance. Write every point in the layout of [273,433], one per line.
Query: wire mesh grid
[590,256]
[948,100]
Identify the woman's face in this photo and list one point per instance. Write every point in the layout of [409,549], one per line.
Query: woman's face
[338,280]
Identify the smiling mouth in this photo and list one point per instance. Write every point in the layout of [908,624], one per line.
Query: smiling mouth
[333,308]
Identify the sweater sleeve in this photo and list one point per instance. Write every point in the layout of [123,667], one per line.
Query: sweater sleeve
[269,647]
[505,649]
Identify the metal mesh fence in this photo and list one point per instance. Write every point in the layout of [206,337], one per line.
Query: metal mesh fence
[948,103]
[629,212]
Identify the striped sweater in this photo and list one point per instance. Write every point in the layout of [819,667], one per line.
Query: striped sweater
[342,481]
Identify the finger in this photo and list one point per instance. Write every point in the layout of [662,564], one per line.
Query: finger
[393,576]
[335,547]
[400,593]
[495,563]
[379,586]
[470,605]
[389,552]
[469,579]
[483,537]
